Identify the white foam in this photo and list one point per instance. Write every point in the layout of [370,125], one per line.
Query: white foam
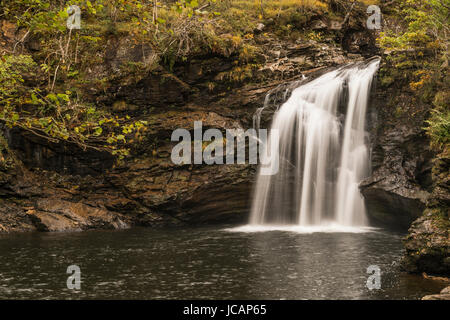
[324,228]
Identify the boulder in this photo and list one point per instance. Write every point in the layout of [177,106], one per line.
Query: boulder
[444,295]
[59,215]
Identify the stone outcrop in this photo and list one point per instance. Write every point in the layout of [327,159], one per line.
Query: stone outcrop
[60,215]
[409,186]
[428,242]
[396,192]
[400,183]
[443,295]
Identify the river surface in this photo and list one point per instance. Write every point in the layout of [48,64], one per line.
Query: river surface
[206,263]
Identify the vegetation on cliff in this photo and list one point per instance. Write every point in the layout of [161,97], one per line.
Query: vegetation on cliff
[47,72]
[419,52]
[416,43]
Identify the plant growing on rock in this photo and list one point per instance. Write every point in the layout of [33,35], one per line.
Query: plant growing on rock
[421,50]
[57,116]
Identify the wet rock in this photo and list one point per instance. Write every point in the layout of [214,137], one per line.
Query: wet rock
[13,218]
[400,184]
[428,241]
[443,295]
[446,290]
[388,207]
[427,244]
[59,215]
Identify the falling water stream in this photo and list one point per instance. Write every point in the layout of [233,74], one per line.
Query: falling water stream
[323,153]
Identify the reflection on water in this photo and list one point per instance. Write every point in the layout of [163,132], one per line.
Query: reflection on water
[205,263]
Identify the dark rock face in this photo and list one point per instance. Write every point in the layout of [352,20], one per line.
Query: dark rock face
[427,245]
[390,208]
[356,41]
[34,151]
[396,192]
[409,186]
[162,89]
[400,183]
[428,241]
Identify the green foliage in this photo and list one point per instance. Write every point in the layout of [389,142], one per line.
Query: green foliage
[51,109]
[12,71]
[420,51]
[438,128]
[242,16]
[427,26]
[56,116]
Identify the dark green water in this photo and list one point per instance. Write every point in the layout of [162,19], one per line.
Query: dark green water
[205,263]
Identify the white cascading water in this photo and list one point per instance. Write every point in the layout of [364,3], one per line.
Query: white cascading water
[323,153]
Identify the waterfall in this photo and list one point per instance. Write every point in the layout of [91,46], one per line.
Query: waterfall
[323,153]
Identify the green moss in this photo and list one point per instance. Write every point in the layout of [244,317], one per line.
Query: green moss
[386,81]
[438,128]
